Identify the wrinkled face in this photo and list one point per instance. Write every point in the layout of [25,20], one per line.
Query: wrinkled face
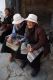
[30,24]
[7,13]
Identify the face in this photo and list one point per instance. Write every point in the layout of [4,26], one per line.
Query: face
[30,24]
[17,25]
[7,13]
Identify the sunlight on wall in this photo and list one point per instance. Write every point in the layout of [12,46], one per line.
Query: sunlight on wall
[2,5]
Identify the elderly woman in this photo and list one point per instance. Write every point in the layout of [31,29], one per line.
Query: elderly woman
[18,28]
[36,44]
[17,32]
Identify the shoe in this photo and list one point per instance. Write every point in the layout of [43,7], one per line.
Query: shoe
[24,63]
[34,73]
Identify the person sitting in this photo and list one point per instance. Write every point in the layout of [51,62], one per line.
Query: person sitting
[8,17]
[18,31]
[36,43]
[6,25]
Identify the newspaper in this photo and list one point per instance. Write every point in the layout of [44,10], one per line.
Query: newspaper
[12,46]
[32,55]
[23,49]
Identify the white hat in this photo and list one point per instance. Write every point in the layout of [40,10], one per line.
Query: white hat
[17,19]
[32,17]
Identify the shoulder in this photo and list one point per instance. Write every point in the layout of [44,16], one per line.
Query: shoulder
[40,30]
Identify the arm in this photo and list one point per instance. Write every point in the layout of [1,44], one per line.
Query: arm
[42,39]
[13,34]
[24,39]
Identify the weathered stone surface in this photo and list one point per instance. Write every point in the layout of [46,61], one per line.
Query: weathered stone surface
[15,69]
[18,78]
[4,59]
[12,71]
[4,73]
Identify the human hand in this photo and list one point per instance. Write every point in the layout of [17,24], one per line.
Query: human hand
[9,40]
[17,42]
[29,48]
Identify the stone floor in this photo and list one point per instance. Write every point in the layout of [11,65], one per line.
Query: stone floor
[13,71]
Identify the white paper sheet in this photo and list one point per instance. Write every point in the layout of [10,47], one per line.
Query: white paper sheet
[31,56]
[12,46]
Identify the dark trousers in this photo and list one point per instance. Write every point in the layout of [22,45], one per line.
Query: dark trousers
[35,64]
[2,37]
[7,49]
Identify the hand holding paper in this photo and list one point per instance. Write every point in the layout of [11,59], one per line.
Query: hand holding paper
[10,40]
[29,48]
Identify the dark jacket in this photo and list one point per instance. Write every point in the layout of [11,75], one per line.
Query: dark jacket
[7,20]
[7,25]
[37,38]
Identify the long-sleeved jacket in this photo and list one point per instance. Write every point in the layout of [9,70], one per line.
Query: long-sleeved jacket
[7,20]
[37,38]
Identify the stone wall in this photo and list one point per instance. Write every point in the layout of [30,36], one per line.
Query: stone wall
[42,8]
